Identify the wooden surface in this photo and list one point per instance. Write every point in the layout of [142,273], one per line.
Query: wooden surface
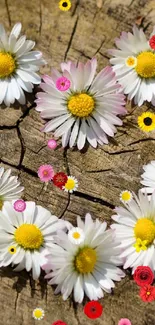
[88,29]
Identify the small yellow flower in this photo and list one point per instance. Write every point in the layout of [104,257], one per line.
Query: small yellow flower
[146,121]
[140,245]
[12,249]
[38,313]
[125,196]
[64,5]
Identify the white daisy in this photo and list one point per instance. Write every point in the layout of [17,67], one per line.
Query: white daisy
[26,236]
[149,177]
[89,267]
[38,313]
[76,235]
[125,196]
[87,110]
[18,66]
[136,231]
[10,188]
[71,184]
[134,65]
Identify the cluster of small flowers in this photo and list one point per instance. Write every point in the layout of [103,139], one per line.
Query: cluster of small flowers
[144,277]
[64,182]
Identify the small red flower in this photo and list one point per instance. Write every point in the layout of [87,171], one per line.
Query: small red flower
[143,275]
[147,293]
[93,309]
[152,42]
[59,322]
[60,179]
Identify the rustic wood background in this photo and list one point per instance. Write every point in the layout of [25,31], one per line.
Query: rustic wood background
[88,29]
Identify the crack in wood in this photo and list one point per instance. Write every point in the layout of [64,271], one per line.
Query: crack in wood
[8,12]
[93,199]
[75,8]
[71,38]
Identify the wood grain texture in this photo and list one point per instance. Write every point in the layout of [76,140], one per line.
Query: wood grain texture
[88,29]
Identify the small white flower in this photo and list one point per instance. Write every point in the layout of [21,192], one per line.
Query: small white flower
[26,236]
[10,188]
[88,267]
[71,184]
[38,313]
[76,235]
[18,66]
[134,65]
[126,196]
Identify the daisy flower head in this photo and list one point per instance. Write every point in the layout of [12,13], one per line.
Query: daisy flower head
[26,236]
[146,121]
[124,321]
[46,173]
[87,110]
[143,275]
[60,179]
[38,313]
[147,293]
[64,5]
[125,196]
[134,65]
[76,235]
[93,309]
[10,188]
[18,66]
[71,185]
[88,267]
[135,229]
[148,178]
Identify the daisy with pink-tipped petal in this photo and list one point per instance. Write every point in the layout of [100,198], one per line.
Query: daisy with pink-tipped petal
[134,64]
[88,110]
[19,205]
[46,173]
[52,144]
[63,84]
[124,321]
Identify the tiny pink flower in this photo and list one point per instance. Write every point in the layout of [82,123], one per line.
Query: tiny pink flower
[124,321]
[46,173]
[52,144]
[19,205]
[63,84]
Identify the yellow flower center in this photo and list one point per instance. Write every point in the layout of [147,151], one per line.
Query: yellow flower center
[85,260]
[7,64]
[126,196]
[1,204]
[145,230]
[146,65]
[70,184]
[148,293]
[76,235]
[38,313]
[131,61]
[81,105]
[29,236]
